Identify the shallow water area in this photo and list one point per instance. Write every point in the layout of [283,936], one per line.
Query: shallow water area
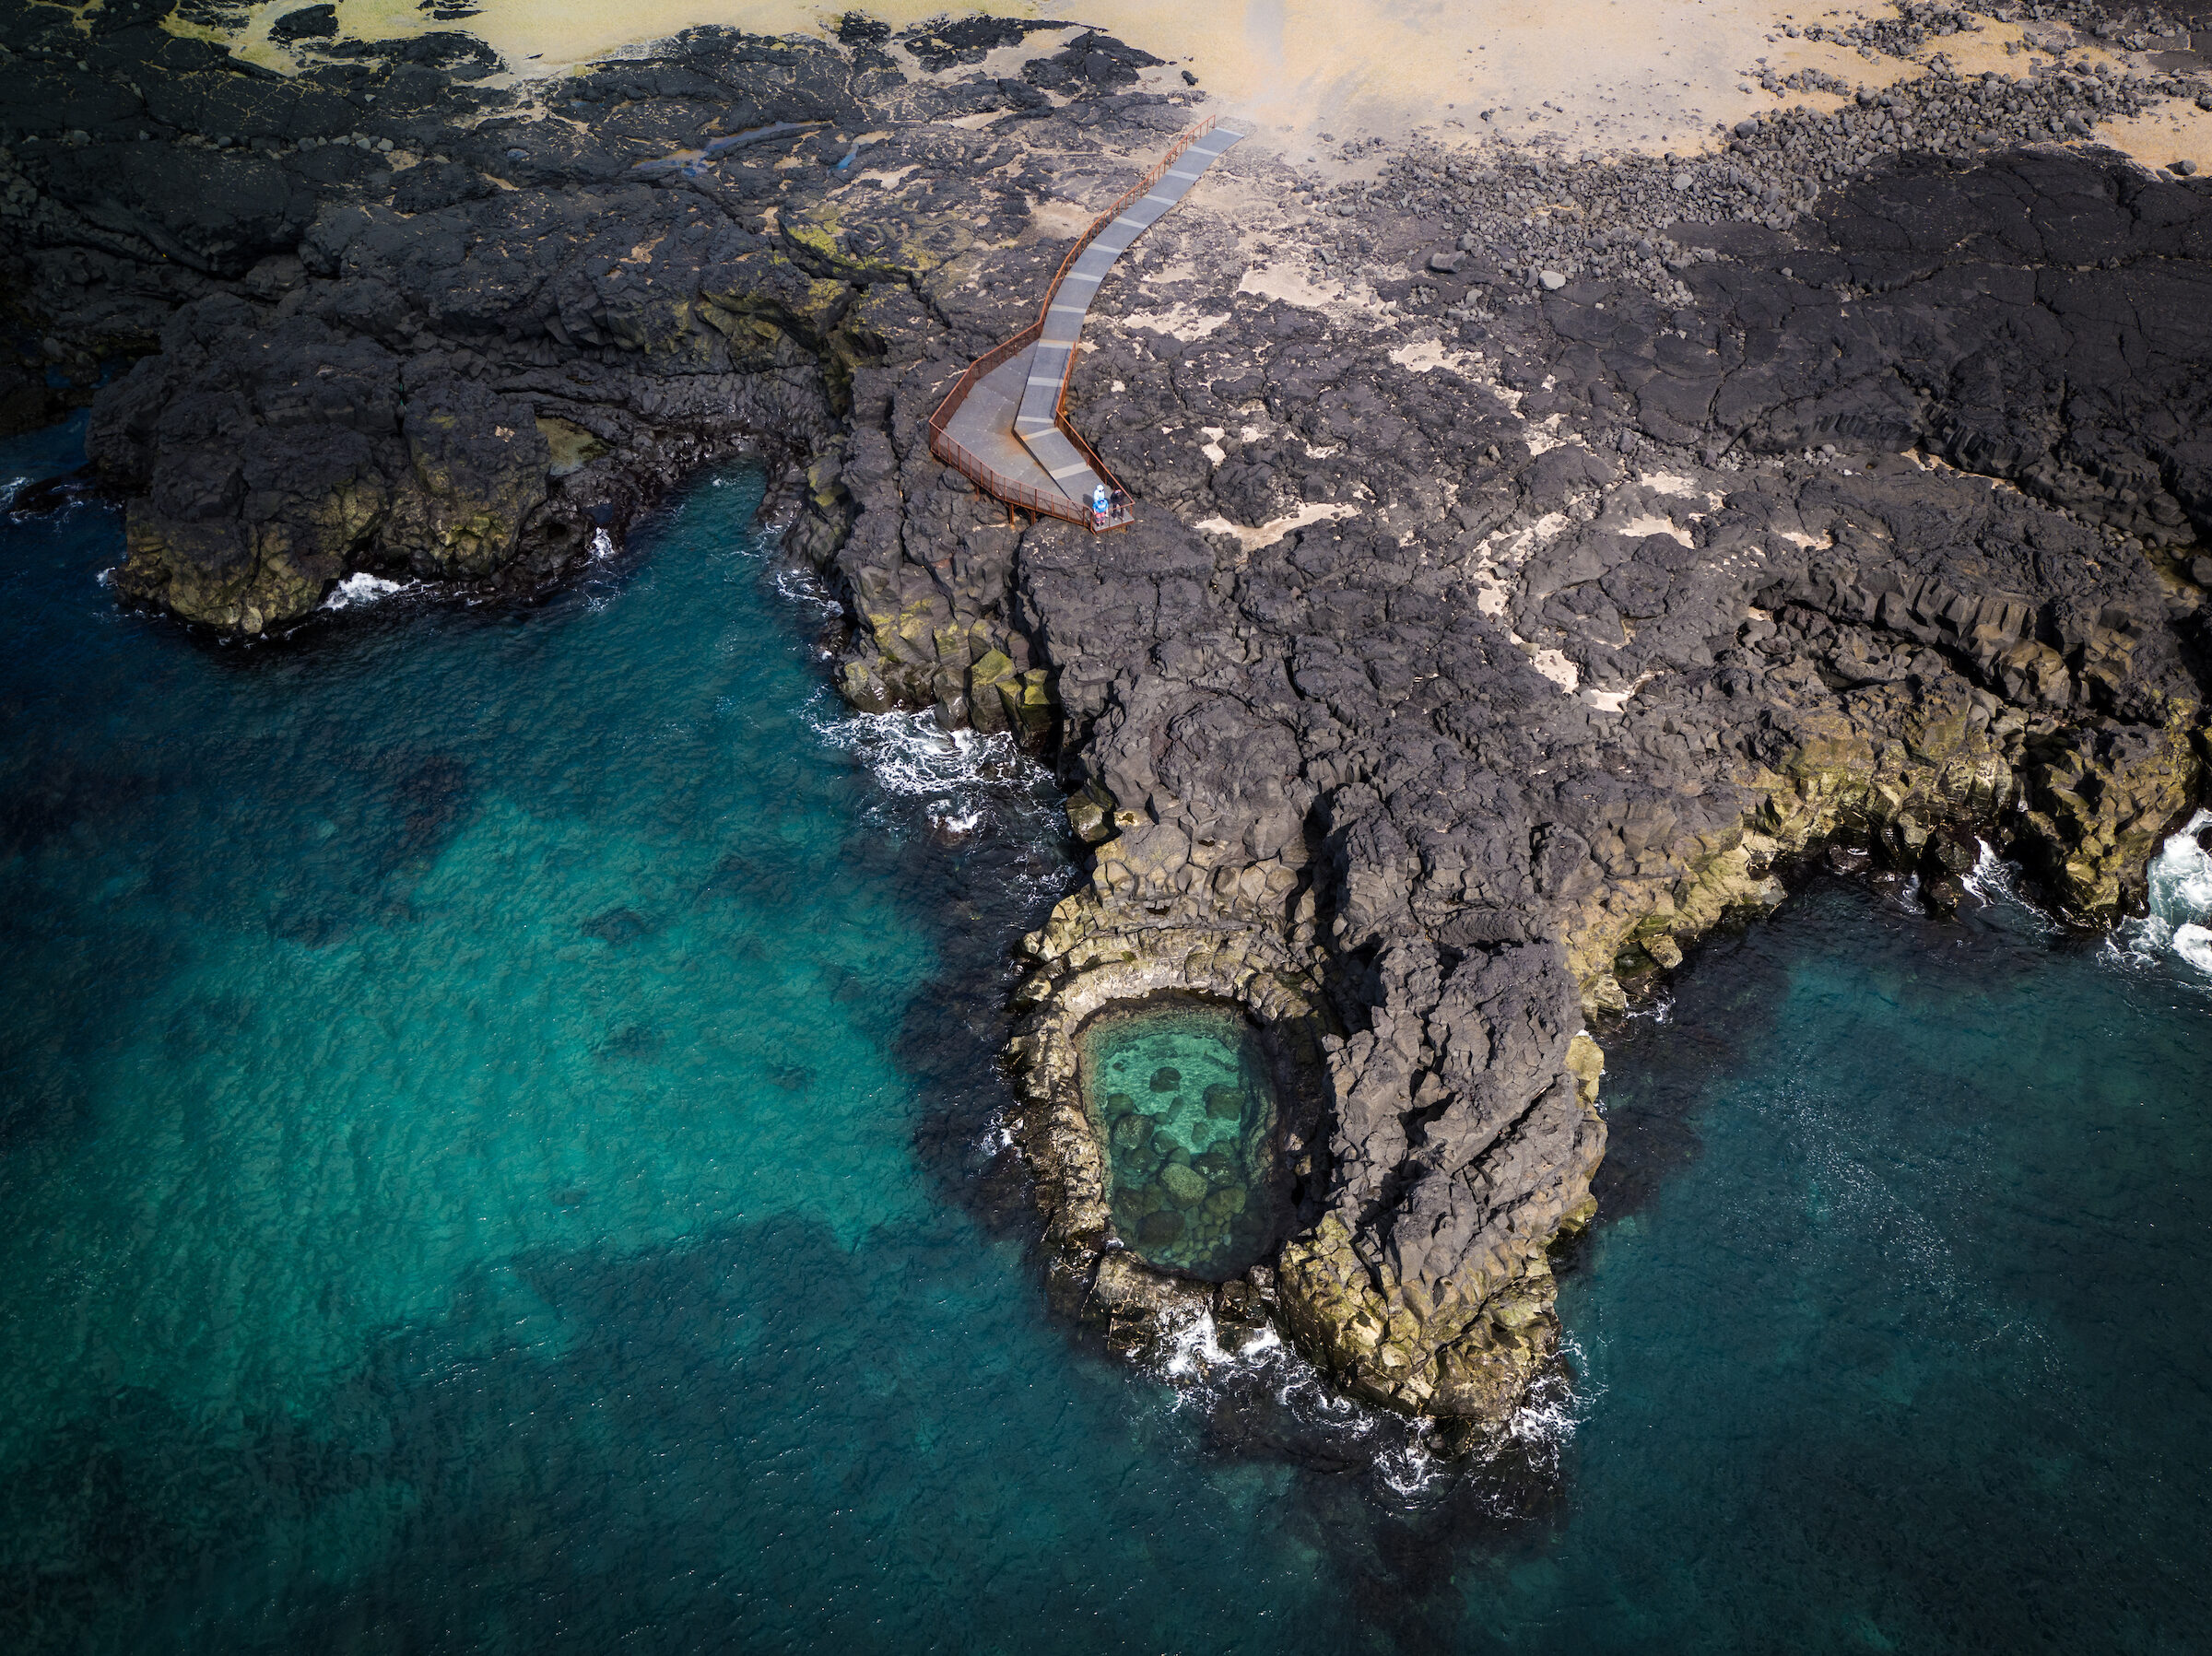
[1179,1093]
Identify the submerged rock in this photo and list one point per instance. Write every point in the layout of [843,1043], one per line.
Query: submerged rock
[1183,1182]
[1161,1228]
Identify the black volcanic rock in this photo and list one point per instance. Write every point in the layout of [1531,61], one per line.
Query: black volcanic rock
[436,184]
[241,108]
[450,51]
[309,23]
[944,42]
[217,213]
[24,405]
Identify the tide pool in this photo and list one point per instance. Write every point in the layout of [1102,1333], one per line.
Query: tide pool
[1180,1094]
[500,1151]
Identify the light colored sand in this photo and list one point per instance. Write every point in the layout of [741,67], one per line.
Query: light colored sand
[537,35]
[2178,130]
[1599,73]
[1304,75]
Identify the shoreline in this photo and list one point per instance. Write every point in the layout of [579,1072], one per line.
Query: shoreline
[1606,77]
[1530,554]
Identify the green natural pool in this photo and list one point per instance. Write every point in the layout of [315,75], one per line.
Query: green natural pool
[1179,1093]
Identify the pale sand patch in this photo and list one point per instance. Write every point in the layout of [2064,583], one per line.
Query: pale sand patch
[1613,701]
[1989,48]
[1651,522]
[1053,221]
[1586,76]
[891,180]
[1267,534]
[1185,323]
[2177,131]
[1554,665]
[1593,74]
[1422,355]
[1291,287]
[541,36]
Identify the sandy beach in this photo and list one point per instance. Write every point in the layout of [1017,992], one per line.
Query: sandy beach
[1591,76]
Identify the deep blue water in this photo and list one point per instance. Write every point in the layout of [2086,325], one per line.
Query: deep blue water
[497,1153]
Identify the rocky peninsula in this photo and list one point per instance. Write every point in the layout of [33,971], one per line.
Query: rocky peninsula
[1537,553]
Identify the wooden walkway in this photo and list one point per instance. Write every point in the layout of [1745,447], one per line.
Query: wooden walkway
[1003,425]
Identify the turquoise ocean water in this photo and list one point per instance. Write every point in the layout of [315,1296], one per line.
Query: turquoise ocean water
[498,1152]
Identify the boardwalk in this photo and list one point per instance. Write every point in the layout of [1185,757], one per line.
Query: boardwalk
[1002,423]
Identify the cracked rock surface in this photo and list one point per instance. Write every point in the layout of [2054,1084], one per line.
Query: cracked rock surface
[1533,556]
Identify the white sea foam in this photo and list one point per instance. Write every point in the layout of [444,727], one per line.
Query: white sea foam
[798,584]
[364,588]
[1410,1467]
[964,779]
[1194,1347]
[910,755]
[1994,880]
[2193,944]
[603,545]
[1192,1350]
[2180,875]
[998,1134]
[1558,1403]
[957,785]
[1407,1456]
[2181,903]
[1991,876]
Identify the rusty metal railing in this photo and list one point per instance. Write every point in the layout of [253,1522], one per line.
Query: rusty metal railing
[964,461]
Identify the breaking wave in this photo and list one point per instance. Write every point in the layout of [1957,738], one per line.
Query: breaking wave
[363,588]
[2181,902]
[1992,880]
[962,782]
[1255,1389]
